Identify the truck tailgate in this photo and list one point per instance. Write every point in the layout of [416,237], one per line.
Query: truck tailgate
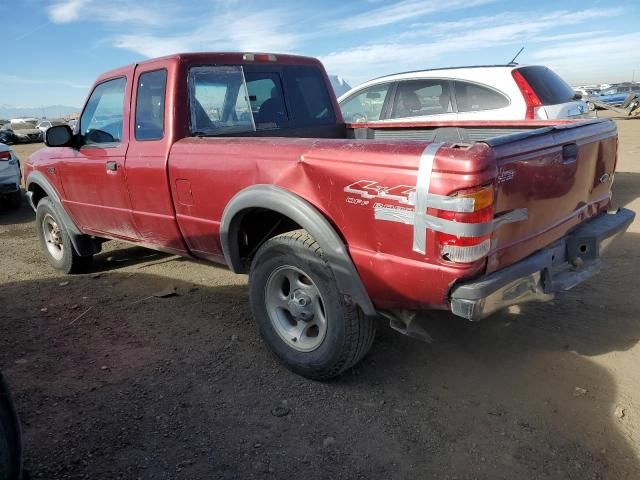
[561,175]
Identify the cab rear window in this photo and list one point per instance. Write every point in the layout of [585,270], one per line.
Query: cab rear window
[244,99]
[308,96]
[549,87]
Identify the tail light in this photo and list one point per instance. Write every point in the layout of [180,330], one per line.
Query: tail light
[5,156]
[467,249]
[531,99]
[259,57]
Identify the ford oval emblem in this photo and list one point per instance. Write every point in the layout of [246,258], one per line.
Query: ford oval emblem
[604,178]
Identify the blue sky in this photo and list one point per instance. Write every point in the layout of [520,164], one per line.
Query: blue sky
[53,49]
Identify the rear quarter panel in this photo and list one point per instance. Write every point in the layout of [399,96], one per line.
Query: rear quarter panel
[206,173]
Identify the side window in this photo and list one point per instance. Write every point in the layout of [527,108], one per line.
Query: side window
[366,106]
[150,105]
[416,98]
[266,98]
[309,95]
[101,121]
[471,97]
[219,101]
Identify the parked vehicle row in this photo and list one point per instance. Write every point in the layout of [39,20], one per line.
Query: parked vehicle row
[27,130]
[20,132]
[503,92]
[616,96]
[245,160]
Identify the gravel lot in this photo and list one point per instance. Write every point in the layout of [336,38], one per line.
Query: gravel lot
[112,382]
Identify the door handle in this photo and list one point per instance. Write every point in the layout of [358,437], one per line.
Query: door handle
[112,166]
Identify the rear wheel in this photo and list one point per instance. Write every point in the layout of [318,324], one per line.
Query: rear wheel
[56,242]
[300,312]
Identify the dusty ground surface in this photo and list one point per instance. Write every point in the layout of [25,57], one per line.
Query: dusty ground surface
[112,382]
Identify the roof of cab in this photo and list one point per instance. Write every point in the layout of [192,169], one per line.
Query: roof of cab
[235,58]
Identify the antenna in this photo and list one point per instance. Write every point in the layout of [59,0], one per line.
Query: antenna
[513,61]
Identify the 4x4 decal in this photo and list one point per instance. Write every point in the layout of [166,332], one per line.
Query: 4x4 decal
[370,189]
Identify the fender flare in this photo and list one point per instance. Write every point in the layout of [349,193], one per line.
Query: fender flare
[83,244]
[308,217]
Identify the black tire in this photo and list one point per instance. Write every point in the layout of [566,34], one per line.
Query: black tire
[68,261]
[349,334]
[15,199]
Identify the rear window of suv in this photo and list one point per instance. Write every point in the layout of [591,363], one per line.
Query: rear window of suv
[549,87]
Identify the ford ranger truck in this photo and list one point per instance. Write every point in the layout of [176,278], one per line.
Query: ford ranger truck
[244,159]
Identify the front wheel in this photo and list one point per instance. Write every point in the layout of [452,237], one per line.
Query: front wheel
[56,242]
[302,316]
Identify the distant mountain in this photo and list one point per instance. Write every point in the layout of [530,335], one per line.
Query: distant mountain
[51,111]
[339,85]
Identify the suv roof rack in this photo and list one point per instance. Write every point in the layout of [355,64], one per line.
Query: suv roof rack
[446,68]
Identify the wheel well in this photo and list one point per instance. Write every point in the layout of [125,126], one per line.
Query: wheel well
[255,226]
[38,193]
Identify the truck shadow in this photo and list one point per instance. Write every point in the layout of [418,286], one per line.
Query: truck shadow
[533,386]
[127,256]
[626,188]
[110,379]
[24,214]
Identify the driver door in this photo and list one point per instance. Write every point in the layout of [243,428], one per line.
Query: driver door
[93,173]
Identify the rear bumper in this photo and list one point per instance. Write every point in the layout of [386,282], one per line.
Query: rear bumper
[560,266]
[10,179]
[6,188]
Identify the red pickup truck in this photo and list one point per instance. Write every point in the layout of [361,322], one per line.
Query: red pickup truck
[244,159]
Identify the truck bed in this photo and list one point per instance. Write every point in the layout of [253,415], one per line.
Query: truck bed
[462,131]
[527,167]
[559,171]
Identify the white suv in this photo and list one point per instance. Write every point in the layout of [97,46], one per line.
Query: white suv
[511,92]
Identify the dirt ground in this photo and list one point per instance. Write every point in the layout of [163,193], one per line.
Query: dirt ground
[112,382]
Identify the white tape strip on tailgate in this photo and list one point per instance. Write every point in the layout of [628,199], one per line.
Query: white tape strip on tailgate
[421,199]
[422,190]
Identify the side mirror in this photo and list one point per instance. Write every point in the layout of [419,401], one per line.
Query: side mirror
[58,136]
[577,96]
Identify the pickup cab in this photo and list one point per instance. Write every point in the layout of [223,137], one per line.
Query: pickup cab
[245,160]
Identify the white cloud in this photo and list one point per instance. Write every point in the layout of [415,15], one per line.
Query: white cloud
[266,30]
[403,10]
[18,80]
[426,44]
[66,11]
[113,11]
[585,60]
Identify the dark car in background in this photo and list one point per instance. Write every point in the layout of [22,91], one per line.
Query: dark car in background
[19,132]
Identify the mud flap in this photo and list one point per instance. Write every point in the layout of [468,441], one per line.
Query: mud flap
[404,321]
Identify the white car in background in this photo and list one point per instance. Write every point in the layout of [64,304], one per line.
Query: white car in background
[10,177]
[45,125]
[507,92]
